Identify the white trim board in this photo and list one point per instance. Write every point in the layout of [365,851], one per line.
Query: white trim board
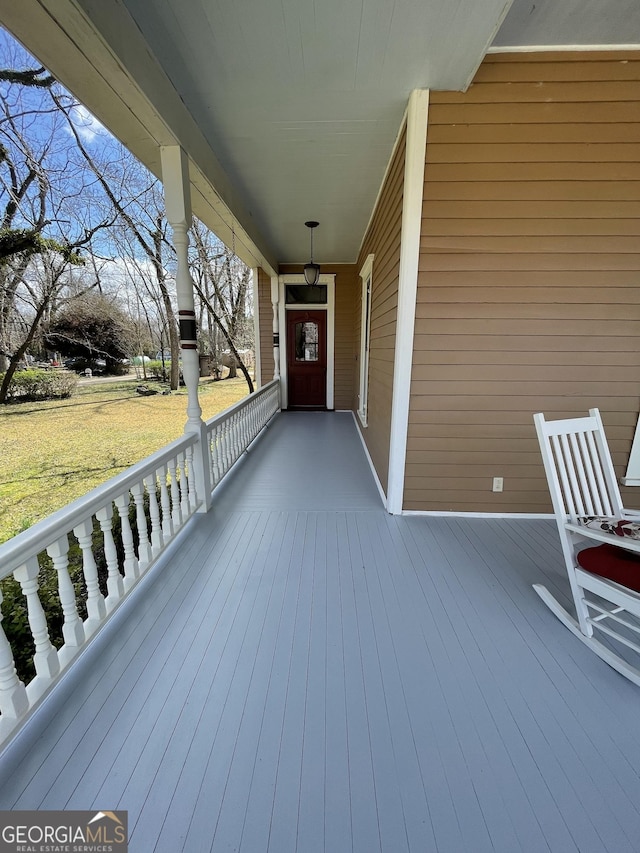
[383,497]
[494,32]
[365,336]
[383,182]
[413,191]
[257,357]
[437,513]
[563,48]
[297,278]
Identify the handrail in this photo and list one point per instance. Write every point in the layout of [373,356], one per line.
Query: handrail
[246,402]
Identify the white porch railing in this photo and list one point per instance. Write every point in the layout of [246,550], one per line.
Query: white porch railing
[152,502]
[230,433]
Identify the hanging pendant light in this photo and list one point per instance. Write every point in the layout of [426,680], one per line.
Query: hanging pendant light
[311,270]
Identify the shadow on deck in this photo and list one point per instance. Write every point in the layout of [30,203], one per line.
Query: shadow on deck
[303,672]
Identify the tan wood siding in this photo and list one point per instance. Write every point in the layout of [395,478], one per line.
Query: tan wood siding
[529,282]
[347,283]
[383,241]
[346,280]
[266,326]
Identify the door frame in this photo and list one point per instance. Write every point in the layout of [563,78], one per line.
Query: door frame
[330,281]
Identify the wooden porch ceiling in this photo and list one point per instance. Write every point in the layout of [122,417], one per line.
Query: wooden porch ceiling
[306,673]
[288,108]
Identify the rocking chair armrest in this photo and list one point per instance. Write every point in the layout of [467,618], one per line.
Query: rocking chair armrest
[631,514]
[624,542]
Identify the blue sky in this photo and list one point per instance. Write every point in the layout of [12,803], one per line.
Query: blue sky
[83,201]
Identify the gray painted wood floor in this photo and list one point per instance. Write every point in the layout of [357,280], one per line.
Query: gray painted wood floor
[306,673]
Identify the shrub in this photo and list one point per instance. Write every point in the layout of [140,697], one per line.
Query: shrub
[38,384]
[155,370]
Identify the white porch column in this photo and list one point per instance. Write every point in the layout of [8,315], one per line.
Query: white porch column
[417,114]
[177,194]
[275,289]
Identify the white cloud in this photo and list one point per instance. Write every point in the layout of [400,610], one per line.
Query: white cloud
[87,125]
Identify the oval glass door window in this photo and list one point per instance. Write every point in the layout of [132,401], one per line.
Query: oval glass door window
[306,341]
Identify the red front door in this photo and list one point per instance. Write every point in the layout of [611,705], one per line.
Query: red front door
[307,359]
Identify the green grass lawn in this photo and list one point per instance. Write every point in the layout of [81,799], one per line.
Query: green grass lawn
[56,451]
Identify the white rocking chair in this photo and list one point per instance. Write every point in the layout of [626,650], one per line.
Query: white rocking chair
[604,578]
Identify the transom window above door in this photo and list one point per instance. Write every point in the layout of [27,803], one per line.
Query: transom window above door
[303,294]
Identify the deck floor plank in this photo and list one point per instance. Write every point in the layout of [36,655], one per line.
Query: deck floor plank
[303,673]
[363,800]
[261,782]
[566,783]
[161,687]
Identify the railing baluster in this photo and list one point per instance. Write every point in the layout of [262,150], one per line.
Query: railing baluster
[217,454]
[184,488]
[72,627]
[45,659]
[246,432]
[191,480]
[154,514]
[240,445]
[255,411]
[229,445]
[96,607]
[144,546]
[211,456]
[13,694]
[240,437]
[222,448]
[165,503]
[115,583]
[248,428]
[131,567]
[224,427]
[176,515]
[237,437]
[232,442]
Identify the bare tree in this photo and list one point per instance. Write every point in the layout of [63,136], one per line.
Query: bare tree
[221,281]
[24,187]
[143,214]
[63,192]
[42,228]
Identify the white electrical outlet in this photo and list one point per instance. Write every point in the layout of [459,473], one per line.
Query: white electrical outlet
[498,484]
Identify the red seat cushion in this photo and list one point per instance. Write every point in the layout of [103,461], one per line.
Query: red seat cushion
[613,563]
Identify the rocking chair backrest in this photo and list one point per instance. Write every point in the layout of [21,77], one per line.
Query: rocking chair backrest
[578,466]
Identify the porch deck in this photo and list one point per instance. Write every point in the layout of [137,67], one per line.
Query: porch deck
[302,672]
